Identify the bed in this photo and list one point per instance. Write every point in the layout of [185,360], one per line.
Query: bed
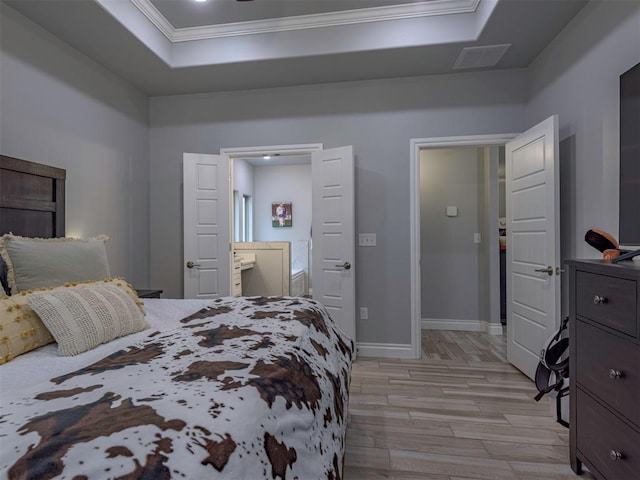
[233,388]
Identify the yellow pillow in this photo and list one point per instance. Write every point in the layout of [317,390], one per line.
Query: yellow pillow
[21,330]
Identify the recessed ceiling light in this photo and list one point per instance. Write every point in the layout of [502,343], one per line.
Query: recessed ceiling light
[200,1]
[267,157]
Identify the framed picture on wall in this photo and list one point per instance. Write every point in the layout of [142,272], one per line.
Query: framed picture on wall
[281,214]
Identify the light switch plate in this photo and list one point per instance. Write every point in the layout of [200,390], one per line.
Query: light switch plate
[452,211]
[367,240]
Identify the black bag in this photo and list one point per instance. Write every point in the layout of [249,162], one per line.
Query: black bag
[552,374]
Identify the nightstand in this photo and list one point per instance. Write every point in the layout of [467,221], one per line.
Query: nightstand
[149,293]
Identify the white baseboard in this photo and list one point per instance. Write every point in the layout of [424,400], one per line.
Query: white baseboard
[493,328]
[384,350]
[461,325]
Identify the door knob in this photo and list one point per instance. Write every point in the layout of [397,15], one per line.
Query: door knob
[615,455]
[615,374]
[549,270]
[599,299]
[345,265]
[190,264]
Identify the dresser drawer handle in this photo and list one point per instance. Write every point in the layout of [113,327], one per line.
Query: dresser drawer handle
[599,300]
[615,374]
[615,456]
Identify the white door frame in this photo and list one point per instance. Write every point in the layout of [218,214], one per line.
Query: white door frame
[418,144]
[239,152]
[299,149]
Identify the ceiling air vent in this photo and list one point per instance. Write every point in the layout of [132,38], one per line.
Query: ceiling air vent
[478,57]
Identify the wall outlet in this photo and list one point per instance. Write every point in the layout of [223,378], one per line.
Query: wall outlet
[367,240]
[364,313]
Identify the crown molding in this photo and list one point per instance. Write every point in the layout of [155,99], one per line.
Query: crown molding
[303,22]
[153,14]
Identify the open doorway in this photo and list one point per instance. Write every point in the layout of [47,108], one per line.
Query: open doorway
[459,225]
[417,263]
[533,235]
[271,258]
[272,215]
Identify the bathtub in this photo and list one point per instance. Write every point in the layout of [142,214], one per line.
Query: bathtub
[298,283]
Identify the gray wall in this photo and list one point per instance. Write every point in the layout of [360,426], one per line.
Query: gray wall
[377,117]
[60,108]
[282,183]
[243,177]
[454,275]
[489,265]
[577,77]
[243,184]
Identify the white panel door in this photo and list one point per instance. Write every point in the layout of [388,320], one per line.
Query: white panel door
[533,243]
[333,272]
[206,226]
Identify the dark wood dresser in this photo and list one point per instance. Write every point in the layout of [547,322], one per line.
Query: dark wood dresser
[604,366]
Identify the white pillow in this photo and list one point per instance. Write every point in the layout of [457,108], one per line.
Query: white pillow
[84,316]
[50,262]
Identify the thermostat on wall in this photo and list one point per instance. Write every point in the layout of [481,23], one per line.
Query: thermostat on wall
[452,211]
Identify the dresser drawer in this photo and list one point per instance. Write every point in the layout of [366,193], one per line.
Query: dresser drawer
[236,283]
[236,278]
[601,434]
[598,354]
[607,300]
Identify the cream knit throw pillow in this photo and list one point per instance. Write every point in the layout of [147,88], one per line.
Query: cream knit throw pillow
[84,316]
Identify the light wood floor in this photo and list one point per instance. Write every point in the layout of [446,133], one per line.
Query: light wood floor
[459,413]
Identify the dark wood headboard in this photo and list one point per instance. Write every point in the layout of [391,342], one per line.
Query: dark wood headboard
[31,198]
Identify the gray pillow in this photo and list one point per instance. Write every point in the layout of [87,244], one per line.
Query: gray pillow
[39,263]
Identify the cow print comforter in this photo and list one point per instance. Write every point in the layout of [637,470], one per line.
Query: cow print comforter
[248,388]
